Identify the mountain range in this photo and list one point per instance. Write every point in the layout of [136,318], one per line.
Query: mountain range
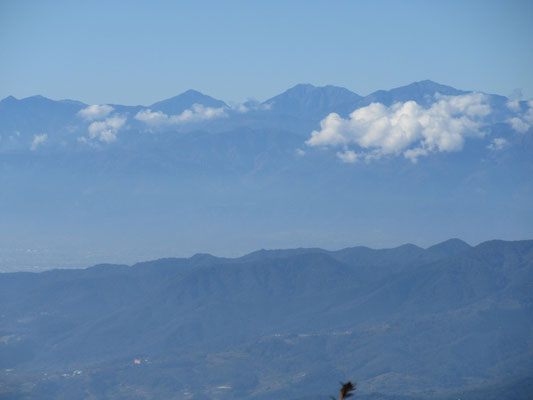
[312,166]
[302,105]
[444,322]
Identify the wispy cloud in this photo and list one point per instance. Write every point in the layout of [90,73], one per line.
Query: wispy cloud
[250,105]
[498,144]
[95,111]
[38,140]
[196,113]
[404,128]
[347,156]
[240,108]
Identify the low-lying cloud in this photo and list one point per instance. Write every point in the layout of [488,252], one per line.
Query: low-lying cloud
[104,127]
[106,130]
[95,111]
[38,140]
[250,105]
[404,128]
[196,113]
[523,121]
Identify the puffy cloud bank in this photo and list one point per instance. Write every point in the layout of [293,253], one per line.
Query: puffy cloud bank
[197,113]
[38,140]
[95,111]
[404,128]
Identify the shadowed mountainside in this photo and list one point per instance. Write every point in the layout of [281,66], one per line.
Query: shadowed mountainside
[273,324]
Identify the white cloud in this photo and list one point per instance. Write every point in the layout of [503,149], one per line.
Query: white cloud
[413,154]
[300,152]
[347,156]
[197,113]
[519,124]
[514,105]
[250,105]
[497,144]
[522,123]
[95,111]
[406,128]
[241,108]
[38,140]
[152,117]
[106,131]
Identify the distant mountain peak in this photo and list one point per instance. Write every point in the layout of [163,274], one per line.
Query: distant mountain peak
[426,82]
[429,85]
[36,98]
[191,93]
[302,89]
[39,99]
[450,246]
[307,100]
[8,99]
[185,100]
[410,246]
[452,242]
[423,92]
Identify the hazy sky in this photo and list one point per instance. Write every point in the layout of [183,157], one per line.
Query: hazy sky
[137,52]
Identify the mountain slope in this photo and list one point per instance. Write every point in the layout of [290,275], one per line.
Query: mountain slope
[36,114]
[274,324]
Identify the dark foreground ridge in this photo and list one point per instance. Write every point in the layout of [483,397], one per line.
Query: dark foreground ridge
[407,323]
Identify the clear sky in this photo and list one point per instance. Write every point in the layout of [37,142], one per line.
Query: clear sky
[138,52]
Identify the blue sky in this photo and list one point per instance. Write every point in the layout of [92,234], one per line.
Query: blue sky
[138,52]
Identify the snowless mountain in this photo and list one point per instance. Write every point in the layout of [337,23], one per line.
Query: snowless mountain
[313,166]
[449,321]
